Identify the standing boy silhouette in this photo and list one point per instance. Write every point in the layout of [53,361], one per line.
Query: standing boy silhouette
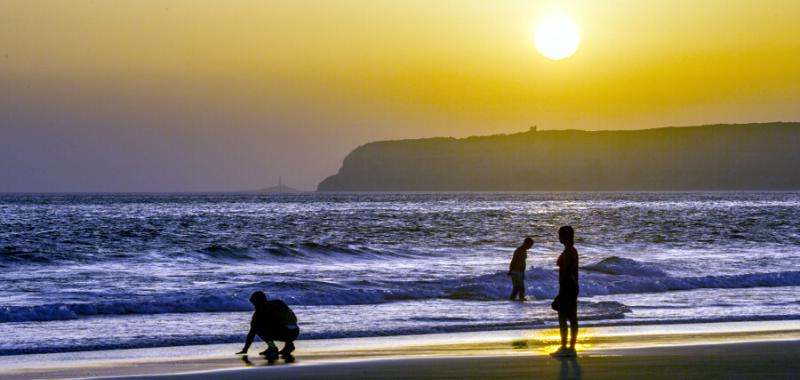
[566,303]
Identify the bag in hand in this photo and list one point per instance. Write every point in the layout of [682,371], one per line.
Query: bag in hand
[556,305]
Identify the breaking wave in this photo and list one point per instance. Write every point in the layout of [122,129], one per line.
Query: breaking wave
[613,275]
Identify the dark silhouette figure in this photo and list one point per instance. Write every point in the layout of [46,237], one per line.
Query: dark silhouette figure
[570,369]
[566,303]
[517,269]
[272,320]
[247,361]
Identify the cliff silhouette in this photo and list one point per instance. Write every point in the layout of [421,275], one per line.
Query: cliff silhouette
[763,156]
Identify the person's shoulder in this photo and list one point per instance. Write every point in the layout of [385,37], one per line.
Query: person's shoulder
[571,252]
[278,303]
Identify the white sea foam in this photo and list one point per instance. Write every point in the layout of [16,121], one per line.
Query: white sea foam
[626,276]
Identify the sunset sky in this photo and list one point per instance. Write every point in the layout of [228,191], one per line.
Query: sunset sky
[198,95]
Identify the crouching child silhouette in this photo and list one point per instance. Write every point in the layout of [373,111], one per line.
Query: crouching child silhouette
[273,320]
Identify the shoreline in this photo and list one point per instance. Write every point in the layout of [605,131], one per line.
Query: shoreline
[593,342]
[771,359]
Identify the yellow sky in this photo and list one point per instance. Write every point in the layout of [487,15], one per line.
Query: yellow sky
[353,71]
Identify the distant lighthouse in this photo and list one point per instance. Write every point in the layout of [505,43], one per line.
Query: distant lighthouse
[280,188]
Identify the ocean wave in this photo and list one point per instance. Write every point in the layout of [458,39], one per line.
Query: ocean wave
[310,293]
[598,285]
[541,284]
[307,250]
[226,252]
[627,276]
[215,252]
[622,266]
[142,305]
[13,254]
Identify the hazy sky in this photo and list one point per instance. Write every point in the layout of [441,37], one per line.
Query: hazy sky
[137,95]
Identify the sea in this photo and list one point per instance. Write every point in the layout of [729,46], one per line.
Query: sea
[106,271]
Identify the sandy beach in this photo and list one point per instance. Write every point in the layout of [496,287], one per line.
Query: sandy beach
[711,350]
[774,360]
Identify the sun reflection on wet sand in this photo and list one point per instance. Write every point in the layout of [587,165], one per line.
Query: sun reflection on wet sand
[548,341]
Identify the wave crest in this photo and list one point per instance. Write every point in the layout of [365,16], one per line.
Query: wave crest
[616,265]
[627,277]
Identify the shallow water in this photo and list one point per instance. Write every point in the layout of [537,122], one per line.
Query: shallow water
[169,269]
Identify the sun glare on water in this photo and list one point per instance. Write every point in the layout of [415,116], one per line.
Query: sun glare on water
[557,37]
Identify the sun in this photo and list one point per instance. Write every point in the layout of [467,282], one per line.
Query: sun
[557,37]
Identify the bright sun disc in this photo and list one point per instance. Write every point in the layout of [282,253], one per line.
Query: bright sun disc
[557,37]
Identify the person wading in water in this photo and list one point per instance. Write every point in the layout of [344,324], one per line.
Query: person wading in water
[517,270]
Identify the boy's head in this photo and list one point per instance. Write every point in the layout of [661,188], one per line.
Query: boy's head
[527,243]
[566,235]
[258,298]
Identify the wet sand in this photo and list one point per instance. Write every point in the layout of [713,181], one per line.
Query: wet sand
[765,360]
[713,350]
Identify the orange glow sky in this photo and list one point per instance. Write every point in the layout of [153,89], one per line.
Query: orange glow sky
[134,95]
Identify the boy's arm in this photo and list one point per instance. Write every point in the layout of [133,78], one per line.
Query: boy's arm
[574,272]
[250,336]
[511,264]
